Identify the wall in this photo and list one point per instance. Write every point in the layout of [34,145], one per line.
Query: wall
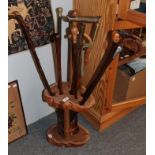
[21,68]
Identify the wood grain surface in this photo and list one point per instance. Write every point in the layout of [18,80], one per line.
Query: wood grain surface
[103,91]
[104,112]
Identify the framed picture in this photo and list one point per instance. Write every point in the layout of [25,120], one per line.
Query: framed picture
[16,120]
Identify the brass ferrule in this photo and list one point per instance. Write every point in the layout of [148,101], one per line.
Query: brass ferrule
[59,11]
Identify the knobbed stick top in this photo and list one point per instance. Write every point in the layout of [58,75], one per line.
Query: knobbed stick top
[74,28]
[74,32]
[59,11]
[130,41]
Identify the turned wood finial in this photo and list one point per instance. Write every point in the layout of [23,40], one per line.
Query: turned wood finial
[74,32]
[74,29]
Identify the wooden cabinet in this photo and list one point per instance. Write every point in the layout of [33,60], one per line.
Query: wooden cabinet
[105,112]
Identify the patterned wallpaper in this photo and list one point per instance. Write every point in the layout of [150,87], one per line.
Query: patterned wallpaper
[39,19]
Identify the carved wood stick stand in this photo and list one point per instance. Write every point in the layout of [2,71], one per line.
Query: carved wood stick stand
[67,132]
[72,135]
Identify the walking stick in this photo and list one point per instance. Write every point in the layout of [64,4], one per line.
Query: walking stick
[75,27]
[115,46]
[77,49]
[18,17]
[57,39]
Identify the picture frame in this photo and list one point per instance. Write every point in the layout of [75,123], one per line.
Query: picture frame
[16,120]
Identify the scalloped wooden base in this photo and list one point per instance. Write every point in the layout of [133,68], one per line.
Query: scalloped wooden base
[75,140]
[72,134]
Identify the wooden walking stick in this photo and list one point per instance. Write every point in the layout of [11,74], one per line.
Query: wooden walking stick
[74,33]
[77,49]
[77,71]
[77,59]
[73,17]
[69,64]
[57,39]
[72,13]
[114,47]
[31,46]
[72,114]
[59,20]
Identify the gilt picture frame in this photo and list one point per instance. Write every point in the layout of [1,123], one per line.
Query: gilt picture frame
[16,120]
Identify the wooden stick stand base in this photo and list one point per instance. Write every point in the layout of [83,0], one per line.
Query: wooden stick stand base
[78,139]
[72,134]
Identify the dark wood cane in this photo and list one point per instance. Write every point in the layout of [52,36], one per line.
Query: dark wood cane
[31,46]
[69,58]
[75,27]
[112,49]
[117,40]
[58,47]
[57,39]
[77,50]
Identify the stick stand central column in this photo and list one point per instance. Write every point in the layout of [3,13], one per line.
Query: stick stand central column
[71,134]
